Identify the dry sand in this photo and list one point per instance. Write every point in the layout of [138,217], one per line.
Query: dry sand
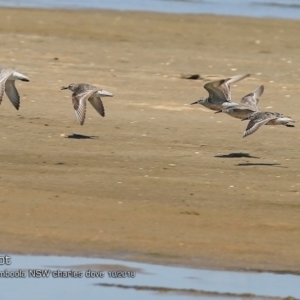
[160,182]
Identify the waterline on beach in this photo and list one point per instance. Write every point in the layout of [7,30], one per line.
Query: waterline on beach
[80,276]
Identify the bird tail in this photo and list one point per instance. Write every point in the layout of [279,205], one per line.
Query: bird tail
[20,76]
[104,93]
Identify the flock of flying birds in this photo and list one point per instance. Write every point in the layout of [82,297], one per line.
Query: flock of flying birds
[81,93]
[219,100]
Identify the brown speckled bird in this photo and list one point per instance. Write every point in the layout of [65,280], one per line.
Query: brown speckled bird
[83,92]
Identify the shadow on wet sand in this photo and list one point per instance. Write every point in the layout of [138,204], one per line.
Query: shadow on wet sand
[236,155]
[248,164]
[80,136]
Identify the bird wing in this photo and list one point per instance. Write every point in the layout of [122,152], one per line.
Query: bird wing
[216,91]
[239,108]
[219,90]
[12,93]
[236,78]
[255,124]
[229,81]
[251,100]
[97,104]
[4,74]
[79,104]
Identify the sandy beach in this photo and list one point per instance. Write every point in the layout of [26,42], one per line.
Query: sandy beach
[161,181]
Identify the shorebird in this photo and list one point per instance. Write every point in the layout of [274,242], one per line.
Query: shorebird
[258,119]
[219,92]
[247,106]
[7,84]
[83,92]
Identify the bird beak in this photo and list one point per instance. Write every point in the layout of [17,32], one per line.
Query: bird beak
[196,102]
[218,111]
[64,88]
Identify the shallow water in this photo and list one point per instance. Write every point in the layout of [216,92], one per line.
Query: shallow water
[140,280]
[289,9]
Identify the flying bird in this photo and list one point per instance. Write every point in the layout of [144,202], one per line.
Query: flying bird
[7,85]
[219,92]
[83,92]
[258,119]
[247,106]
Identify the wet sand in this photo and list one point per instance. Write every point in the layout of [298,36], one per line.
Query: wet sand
[161,181]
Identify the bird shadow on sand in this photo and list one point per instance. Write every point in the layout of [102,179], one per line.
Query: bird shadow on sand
[248,164]
[80,136]
[236,155]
